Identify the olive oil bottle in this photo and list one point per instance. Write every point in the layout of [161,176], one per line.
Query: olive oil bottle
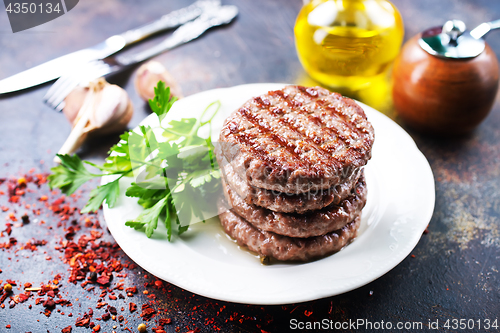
[348,44]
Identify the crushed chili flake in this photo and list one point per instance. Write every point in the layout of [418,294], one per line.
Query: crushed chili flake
[91,259]
[165,321]
[147,312]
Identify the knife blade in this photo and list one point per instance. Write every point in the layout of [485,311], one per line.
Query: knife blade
[53,69]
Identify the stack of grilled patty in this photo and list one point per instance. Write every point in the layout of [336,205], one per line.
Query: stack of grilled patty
[292,163]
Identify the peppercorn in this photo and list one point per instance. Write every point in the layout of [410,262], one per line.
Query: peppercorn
[25,218]
[142,328]
[93,276]
[7,287]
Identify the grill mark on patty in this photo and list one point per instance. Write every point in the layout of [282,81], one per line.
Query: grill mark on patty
[333,111]
[289,146]
[265,105]
[341,128]
[244,139]
[338,136]
[314,142]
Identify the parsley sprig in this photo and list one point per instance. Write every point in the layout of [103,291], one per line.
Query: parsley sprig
[173,178]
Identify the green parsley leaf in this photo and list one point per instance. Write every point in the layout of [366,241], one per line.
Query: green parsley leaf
[149,217]
[70,175]
[174,180]
[108,192]
[162,102]
[148,197]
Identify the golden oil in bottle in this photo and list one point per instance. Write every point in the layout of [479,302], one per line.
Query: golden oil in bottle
[348,43]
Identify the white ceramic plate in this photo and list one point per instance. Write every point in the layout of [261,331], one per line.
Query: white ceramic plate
[206,262]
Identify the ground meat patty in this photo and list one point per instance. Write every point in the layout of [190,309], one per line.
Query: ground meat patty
[315,223]
[297,139]
[285,202]
[280,247]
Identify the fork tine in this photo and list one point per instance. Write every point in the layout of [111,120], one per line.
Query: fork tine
[55,87]
[63,92]
[66,85]
[82,75]
[61,106]
[62,87]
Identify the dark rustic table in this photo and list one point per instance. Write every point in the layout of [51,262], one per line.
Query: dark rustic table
[453,273]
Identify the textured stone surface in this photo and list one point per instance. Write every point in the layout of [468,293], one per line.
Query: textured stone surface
[455,271]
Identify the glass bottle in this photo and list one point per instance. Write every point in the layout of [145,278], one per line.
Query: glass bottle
[348,44]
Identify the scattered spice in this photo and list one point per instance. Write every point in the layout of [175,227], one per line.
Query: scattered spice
[67,329]
[90,262]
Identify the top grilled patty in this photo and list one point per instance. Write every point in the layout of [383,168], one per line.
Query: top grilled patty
[297,139]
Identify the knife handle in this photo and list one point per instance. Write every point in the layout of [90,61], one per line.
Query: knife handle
[171,20]
[184,34]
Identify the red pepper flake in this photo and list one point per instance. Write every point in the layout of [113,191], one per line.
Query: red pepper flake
[7,326]
[12,282]
[23,297]
[67,329]
[132,307]
[49,303]
[97,328]
[158,329]
[147,312]
[101,305]
[413,256]
[308,313]
[165,321]
[84,321]
[103,279]
[132,290]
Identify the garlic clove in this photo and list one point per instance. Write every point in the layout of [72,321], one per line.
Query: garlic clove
[113,110]
[101,108]
[74,102]
[147,78]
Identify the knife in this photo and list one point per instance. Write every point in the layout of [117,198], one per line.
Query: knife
[92,70]
[55,68]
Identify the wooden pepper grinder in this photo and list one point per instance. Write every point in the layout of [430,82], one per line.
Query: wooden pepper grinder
[446,79]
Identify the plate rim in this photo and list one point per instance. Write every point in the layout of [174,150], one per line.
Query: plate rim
[374,274]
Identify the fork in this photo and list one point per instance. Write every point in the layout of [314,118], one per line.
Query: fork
[111,65]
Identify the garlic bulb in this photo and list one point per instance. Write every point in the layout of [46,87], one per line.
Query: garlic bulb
[148,76]
[99,108]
